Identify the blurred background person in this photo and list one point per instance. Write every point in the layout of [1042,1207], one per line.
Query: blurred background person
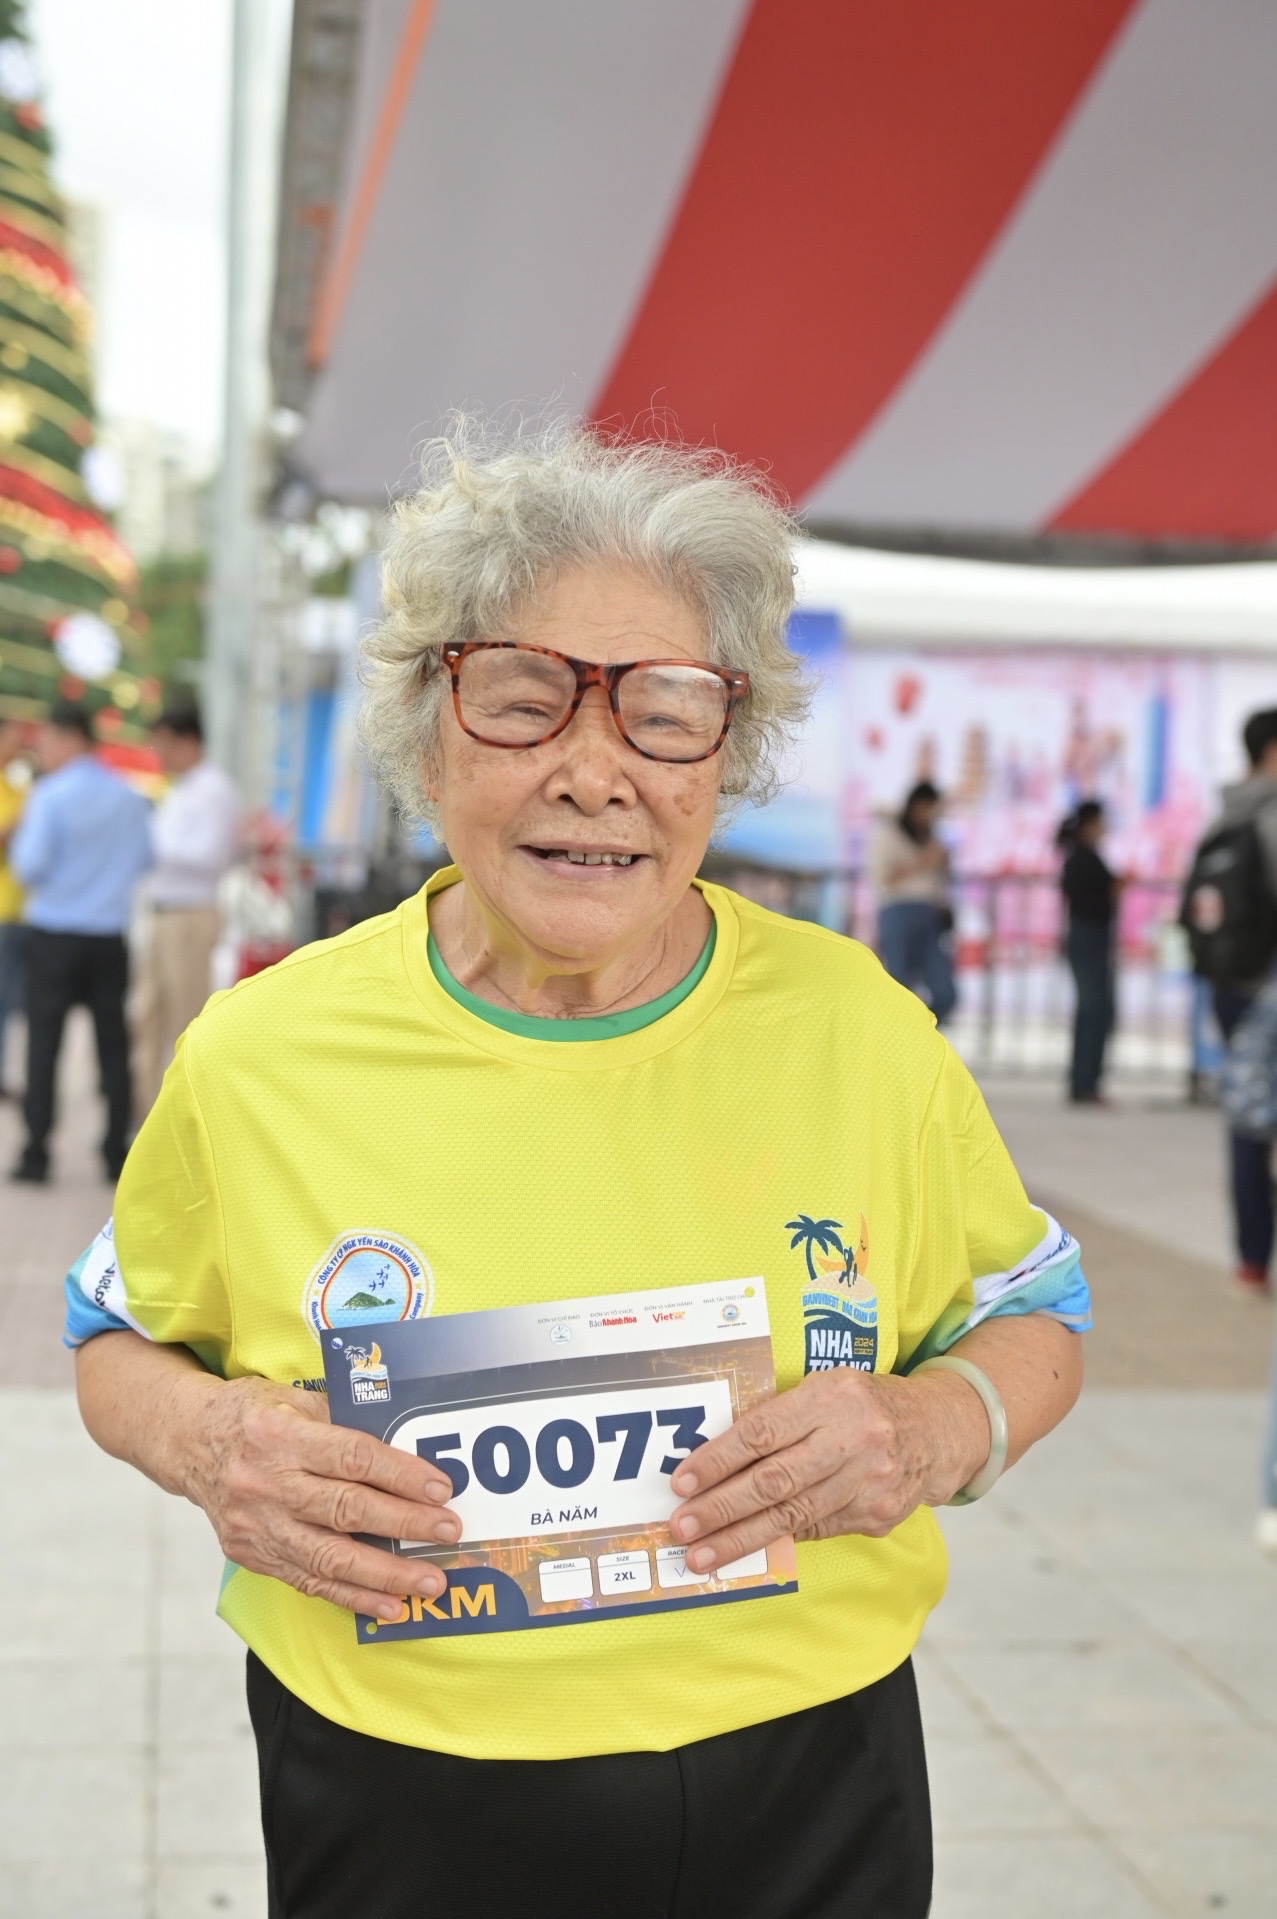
[1240,929]
[909,866]
[13,793]
[194,837]
[1236,954]
[81,846]
[1090,891]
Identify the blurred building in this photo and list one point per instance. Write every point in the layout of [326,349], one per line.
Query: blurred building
[163,484]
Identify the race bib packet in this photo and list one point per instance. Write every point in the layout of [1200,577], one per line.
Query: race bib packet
[560,1426]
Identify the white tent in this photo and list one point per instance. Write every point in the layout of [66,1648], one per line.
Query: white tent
[915,600]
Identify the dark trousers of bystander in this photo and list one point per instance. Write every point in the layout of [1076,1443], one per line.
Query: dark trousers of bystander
[66,970]
[913,946]
[1250,1160]
[1089,949]
[13,972]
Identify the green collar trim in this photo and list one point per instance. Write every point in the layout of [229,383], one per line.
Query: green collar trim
[597,1026]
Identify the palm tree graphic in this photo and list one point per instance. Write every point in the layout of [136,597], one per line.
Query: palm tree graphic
[809,1232]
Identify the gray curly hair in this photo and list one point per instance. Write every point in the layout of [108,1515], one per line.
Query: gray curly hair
[499,516]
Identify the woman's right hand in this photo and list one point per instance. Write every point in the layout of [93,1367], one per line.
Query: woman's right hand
[285,1489]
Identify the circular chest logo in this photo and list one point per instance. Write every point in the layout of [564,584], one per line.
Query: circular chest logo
[364,1277]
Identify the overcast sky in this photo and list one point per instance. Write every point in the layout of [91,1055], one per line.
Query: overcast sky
[136,97]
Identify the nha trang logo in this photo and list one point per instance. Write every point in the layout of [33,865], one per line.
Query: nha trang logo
[369,1376]
[840,1309]
[365,1277]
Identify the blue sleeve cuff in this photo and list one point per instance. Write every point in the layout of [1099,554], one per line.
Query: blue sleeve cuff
[94,1292]
[85,1320]
[1070,1302]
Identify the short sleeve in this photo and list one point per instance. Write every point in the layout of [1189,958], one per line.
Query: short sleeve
[161,1265]
[981,1250]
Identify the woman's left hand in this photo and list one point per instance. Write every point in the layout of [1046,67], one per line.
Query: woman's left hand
[844,1452]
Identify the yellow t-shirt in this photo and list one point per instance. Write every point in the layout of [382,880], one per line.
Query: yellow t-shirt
[12,800]
[345,1092]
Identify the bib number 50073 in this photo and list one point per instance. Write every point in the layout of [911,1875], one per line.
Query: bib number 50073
[524,1466]
[566,1451]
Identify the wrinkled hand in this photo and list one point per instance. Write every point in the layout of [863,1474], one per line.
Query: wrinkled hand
[285,1489]
[844,1452]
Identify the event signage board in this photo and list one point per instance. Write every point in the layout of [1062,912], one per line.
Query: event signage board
[560,1426]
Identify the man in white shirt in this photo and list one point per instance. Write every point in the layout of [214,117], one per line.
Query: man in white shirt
[195,835]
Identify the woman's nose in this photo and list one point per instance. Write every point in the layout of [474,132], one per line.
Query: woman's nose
[592,753]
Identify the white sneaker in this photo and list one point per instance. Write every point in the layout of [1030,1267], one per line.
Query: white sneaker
[1266,1531]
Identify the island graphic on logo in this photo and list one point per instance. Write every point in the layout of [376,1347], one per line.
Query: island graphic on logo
[365,1277]
[840,1311]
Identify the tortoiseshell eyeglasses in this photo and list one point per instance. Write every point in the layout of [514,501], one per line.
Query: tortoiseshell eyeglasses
[511,695]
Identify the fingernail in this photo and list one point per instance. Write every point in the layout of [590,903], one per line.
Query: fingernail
[449,1527]
[431,1584]
[685,1484]
[701,1560]
[688,1526]
[389,1609]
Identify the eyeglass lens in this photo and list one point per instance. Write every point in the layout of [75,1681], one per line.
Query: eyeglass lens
[511,698]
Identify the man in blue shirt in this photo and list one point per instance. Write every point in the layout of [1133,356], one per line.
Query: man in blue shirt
[80,849]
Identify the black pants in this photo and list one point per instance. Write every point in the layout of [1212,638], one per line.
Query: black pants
[1250,1160]
[820,1815]
[1089,948]
[66,970]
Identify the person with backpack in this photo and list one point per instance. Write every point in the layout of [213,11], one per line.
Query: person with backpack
[1230,915]
[1090,889]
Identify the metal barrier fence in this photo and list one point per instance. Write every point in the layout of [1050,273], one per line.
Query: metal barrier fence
[1015,1004]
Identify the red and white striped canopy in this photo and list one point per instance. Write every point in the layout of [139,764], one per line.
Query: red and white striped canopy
[1003,265]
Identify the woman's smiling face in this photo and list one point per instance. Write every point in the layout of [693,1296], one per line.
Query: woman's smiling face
[513,819]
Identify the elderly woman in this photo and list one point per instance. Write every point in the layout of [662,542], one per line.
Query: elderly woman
[567,1067]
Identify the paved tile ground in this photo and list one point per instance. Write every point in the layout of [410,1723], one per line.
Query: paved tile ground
[1099,1687]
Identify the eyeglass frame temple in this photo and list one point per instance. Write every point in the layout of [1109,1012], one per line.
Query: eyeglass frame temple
[605,674]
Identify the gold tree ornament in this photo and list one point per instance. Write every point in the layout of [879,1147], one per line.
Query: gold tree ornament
[15,415]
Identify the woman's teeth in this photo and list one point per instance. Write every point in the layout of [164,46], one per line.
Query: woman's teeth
[591,859]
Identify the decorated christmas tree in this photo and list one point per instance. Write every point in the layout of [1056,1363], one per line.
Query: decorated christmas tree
[67,583]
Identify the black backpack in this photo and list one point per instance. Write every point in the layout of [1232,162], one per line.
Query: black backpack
[1229,909]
